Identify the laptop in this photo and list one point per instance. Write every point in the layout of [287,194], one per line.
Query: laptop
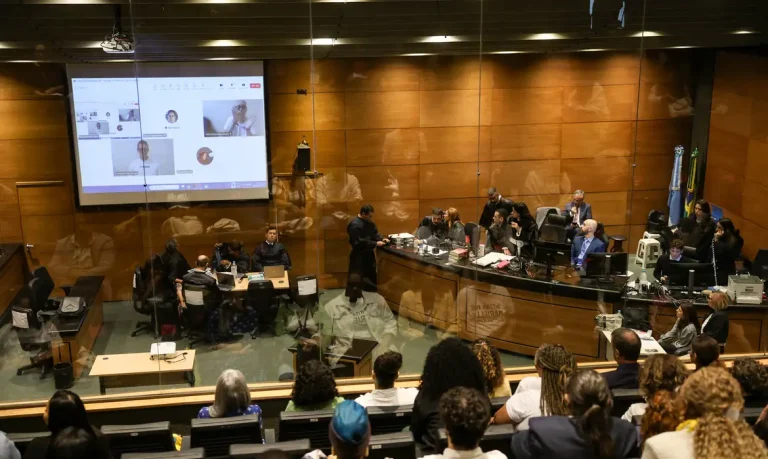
[226,281]
[274,272]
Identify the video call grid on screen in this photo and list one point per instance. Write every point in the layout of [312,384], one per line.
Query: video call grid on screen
[169,133]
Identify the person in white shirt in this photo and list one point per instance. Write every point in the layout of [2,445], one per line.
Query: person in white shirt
[553,364]
[386,370]
[142,165]
[240,124]
[465,414]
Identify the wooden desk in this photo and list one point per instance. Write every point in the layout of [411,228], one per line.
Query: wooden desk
[241,285]
[359,356]
[130,370]
[647,347]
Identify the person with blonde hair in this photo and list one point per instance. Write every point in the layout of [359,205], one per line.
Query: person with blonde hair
[711,403]
[716,324]
[490,360]
[233,398]
[658,372]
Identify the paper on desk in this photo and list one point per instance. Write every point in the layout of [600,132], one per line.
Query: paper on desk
[401,235]
[646,335]
[19,320]
[491,258]
[308,287]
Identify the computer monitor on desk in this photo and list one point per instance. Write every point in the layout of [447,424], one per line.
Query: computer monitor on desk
[693,276]
[600,264]
[552,254]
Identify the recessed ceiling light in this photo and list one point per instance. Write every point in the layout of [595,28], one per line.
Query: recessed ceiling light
[21,62]
[222,58]
[647,33]
[5,46]
[439,39]
[223,43]
[322,41]
[508,52]
[119,60]
[680,47]
[417,54]
[546,36]
[743,32]
[589,50]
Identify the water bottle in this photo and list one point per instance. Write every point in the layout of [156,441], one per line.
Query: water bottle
[233,269]
[643,281]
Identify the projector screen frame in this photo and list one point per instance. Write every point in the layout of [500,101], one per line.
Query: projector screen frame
[163,203]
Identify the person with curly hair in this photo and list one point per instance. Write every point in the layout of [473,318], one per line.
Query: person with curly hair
[752,377]
[450,363]
[314,388]
[465,413]
[711,403]
[554,364]
[587,430]
[658,372]
[490,359]
[661,415]
[386,370]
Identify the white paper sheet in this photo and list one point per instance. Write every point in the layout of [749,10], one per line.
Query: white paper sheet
[307,287]
[20,320]
[491,258]
[193,297]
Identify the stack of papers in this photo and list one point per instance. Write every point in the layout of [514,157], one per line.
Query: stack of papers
[401,235]
[491,258]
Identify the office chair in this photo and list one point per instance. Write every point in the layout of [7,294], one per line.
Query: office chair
[600,234]
[31,331]
[543,212]
[140,304]
[149,291]
[200,301]
[473,231]
[553,218]
[42,273]
[552,233]
[423,232]
[261,297]
[311,300]
[656,221]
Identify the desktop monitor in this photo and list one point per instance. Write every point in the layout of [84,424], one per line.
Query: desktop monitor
[295,449]
[398,445]
[194,453]
[217,434]
[552,253]
[607,264]
[154,437]
[760,264]
[703,274]
[306,424]
[389,419]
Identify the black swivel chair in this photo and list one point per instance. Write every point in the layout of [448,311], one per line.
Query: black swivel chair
[473,231]
[149,291]
[312,299]
[262,298]
[554,228]
[200,302]
[31,331]
[656,221]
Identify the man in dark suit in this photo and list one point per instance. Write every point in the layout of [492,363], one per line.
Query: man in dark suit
[270,252]
[626,351]
[586,243]
[364,238]
[664,263]
[498,237]
[576,212]
[495,202]
[432,226]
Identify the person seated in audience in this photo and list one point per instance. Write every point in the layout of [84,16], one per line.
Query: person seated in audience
[678,340]
[495,202]
[386,370]
[586,430]
[626,350]
[585,243]
[455,226]
[698,230]
[577,211]
[270,252]
[727,246]
[233,398]
[523,230]
[432,226]
[490,359]
[705,352]
[716,324]
[232,252]
[449,363]
[674,255]
[465,413]
[752,377]
[711,402]
[76,443]
[554,364]
[658,372]
[661,415]
[8,448]
[314,388]
[498,238]
[175,263]
[349,431]
[64,409]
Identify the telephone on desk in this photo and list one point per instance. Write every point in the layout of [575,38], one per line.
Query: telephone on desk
[72,306]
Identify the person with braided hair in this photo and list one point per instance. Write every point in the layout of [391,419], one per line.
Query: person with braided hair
[554,364]
[490,360]
[587,430]
[711,401]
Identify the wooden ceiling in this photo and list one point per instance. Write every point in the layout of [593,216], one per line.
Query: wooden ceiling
[70,30]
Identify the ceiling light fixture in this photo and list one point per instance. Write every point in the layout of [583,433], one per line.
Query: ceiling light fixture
[21,62]
[323,41]
[416,54]
[509,52]
[221,58]
[743,32]
[590,50]
[647,33]
[217,43]
[440,39]
[546,36]
[680,47]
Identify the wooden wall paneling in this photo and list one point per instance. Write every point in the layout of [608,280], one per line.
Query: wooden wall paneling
[439,181]
[38,81]
[527,106]
[644,201]
[373,147]
[526,141]
[293,112]
[442,73]
[753,204]
[377,110]
[648,175]
[392,216]
[454,145]
[666,66]
[523,71]
[10,218]
[599,102]
[535,201]
[44,231]
[724,189]
[755,238]
[595,174]
[635,234]
[33,119]
[385,183]
[455,108]
[660,137]
[328,149]
[580,69]
[758,126]
[286,76]
[609,208]
[727,151]
[757,162]
[731,112]
[525,178]
[663,101]
[10,228]
[733,72]
[336,256]
[590,140]
[619,230]
[382,74]
[23,159]
[124,227]
[45,199]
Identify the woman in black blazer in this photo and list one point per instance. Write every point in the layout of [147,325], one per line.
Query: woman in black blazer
[716,324]
[524,229]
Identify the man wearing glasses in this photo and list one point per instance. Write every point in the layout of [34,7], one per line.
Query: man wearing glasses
[239,124]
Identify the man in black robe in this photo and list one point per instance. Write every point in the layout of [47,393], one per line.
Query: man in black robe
[495,202]
[270,252]
[364,238]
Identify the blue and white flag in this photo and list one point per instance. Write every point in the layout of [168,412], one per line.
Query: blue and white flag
[673,202]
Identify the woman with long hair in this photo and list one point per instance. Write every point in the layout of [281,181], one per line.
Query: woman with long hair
[77,443]
[726,248]
[233,398]
[554,364]
[661,415]
[314,388]
[455,226]
[450,363]
[64,409]
[711,403]
[587,430]
[678,340]
[524,229]
[699,229]
[490,360]
[658,372]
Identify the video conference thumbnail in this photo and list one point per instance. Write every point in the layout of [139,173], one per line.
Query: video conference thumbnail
[143,157]
[233,118]
[129,114]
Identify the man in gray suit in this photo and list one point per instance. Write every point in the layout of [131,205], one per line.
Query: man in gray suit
[576,212]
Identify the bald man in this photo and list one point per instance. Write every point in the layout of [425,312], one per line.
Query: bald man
[586,243]
[200,275]
[240,124]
